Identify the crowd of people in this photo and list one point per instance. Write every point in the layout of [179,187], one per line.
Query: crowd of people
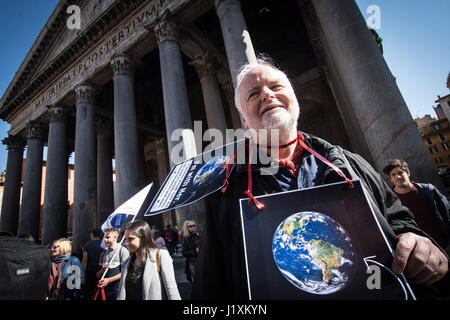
[140,268]
[136,264]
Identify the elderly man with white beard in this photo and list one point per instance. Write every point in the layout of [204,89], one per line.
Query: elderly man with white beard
[266,101]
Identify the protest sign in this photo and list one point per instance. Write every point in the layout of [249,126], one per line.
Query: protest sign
[195,178]
[323,242]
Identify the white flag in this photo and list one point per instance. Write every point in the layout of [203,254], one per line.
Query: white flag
[126,212]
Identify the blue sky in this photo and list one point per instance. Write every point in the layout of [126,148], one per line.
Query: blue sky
[415,41]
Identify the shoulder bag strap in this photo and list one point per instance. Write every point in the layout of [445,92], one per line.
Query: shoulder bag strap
[158,263]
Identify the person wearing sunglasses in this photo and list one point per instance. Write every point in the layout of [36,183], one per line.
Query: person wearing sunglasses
[66,274]
[190,245]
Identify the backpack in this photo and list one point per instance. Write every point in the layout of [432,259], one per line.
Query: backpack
[24,269]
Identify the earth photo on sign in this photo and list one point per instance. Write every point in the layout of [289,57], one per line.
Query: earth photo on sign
[318,243]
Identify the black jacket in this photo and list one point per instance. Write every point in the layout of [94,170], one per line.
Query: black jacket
[439,206]
[221,265]
[189,245]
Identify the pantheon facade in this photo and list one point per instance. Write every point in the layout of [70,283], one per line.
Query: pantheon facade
[137,70]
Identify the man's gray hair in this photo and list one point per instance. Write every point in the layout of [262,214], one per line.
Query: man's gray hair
[262,60]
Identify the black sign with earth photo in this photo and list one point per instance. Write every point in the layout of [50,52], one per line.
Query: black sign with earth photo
[321,243]
[195,178]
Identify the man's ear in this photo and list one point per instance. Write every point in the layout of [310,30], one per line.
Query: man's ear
[244,123]
[390,178]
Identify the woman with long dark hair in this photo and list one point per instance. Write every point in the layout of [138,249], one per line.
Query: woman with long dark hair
[149,270]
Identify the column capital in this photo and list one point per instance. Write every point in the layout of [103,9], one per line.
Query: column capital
[206,65]
[85,93]
[103,125]
[57,113]
[121,64]
[35,130]
[14,143]
[160,146]
[166,29]
[228,88]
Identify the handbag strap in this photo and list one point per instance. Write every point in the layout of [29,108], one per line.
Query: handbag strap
[158,263]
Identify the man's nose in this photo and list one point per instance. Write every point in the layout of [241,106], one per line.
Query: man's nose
[268,94]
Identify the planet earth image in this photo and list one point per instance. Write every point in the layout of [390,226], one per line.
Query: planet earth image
[211,170]
[313,252]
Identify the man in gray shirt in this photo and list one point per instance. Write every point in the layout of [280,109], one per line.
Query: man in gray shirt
[112,277]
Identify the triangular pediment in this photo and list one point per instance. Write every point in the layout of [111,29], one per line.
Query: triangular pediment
[89,12]
[32,64]
[57,46]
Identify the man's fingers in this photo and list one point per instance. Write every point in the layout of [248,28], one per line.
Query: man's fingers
[428,276]
[420,260]
[429,273]
[404,248]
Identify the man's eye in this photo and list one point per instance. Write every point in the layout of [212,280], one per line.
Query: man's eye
[252,94]
[276,86]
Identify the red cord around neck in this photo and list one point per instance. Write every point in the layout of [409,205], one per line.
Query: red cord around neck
[301,139]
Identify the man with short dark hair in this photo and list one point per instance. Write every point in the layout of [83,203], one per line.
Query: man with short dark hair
[267,103]
[429,206]
[91,257]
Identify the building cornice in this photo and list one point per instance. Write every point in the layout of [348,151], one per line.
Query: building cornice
[40,48]
[25,86]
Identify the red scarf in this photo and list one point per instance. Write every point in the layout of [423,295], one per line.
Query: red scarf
[54,281]
[293,163]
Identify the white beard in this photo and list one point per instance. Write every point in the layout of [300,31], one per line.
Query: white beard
[283,122]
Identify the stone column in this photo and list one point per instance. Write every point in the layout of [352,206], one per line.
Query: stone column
[125,129]
[85,189]
[163,170]
[380,114]
[105,190]
[161,159]
[206,68]
[31,195]
[238,44]
[176,105]
[11,192]
[55,198]
[229,96]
